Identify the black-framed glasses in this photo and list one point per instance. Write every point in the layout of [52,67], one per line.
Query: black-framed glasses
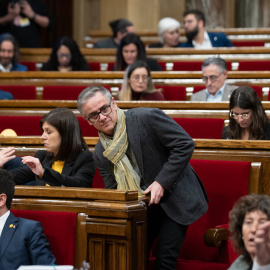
[94,117]
[211,78]
[236,116]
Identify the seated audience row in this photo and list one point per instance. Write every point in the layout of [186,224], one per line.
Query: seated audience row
[169,33]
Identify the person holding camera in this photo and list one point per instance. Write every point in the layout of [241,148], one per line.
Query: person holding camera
[24,19]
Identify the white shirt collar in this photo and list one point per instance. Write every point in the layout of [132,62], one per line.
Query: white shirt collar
[3,220]
[6,69]
[206,42]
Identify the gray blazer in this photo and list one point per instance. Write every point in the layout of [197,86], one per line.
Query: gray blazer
[162,150]
[201,95]
[239,264]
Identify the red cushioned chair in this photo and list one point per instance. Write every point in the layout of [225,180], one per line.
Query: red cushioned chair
[171,92]
[31,66]
[22,125]
[94,66]
[62,92]
[20,91]
[198,88]
[225,182]
[60,230]
[254,65]
[202,128]
[98,180]
[248,43]
[87,129]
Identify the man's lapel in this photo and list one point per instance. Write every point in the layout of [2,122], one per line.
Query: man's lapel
[7,233]
[134,139]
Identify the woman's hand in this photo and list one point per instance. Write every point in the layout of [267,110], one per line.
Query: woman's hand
[6,155]
[34,164]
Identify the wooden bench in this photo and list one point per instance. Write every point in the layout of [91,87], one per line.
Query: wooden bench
[236,150]
[107,220]
[114,79]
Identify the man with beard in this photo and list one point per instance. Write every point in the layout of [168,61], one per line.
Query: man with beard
[194,24]
[9,52]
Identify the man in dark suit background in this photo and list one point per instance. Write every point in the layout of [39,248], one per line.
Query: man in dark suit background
[198,37]
[143,149]
[214,71]
[22,241]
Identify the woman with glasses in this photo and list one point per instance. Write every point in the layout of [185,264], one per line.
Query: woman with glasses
[248,120]
[66,160]
[138,85]
[66,56]
[132,49]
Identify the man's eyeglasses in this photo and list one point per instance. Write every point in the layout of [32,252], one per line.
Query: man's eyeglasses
[236,116]
[211,78]
[137,78]
[93,118]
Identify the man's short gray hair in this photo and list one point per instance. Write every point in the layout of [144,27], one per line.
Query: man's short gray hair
[221,63]
[89,92]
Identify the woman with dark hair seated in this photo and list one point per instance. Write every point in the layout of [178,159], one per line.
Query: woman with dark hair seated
[131,49]
[248,120]
[66,56]
[66,161]
[138,85]
[246,219]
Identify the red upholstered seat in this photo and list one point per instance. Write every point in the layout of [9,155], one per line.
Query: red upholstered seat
[22,125]
[31,66]
[198,88]
[225,182]
[202,128]
[254,65]
[60,230]
[87,129]
[94,66]
[62,92]
[171,92]
[98,180]
[248,43]
[20,91]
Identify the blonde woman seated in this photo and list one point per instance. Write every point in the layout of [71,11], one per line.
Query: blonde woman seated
[138,85]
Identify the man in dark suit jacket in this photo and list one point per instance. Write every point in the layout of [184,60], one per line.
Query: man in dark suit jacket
[22,241]
[194,24]
[155,160]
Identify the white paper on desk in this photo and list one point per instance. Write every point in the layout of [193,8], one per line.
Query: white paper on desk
[44,267]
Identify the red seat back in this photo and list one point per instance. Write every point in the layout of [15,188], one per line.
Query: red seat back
[202,128]
[62,92]
[198,88]
[225,182]
[94,66]
[31,66]
[60,230]
[98,180]
[20,91]
[22,125]
[254,65]
[171,92]
[248,43]
[87,129]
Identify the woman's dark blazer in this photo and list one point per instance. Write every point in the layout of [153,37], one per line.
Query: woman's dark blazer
[79,173]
